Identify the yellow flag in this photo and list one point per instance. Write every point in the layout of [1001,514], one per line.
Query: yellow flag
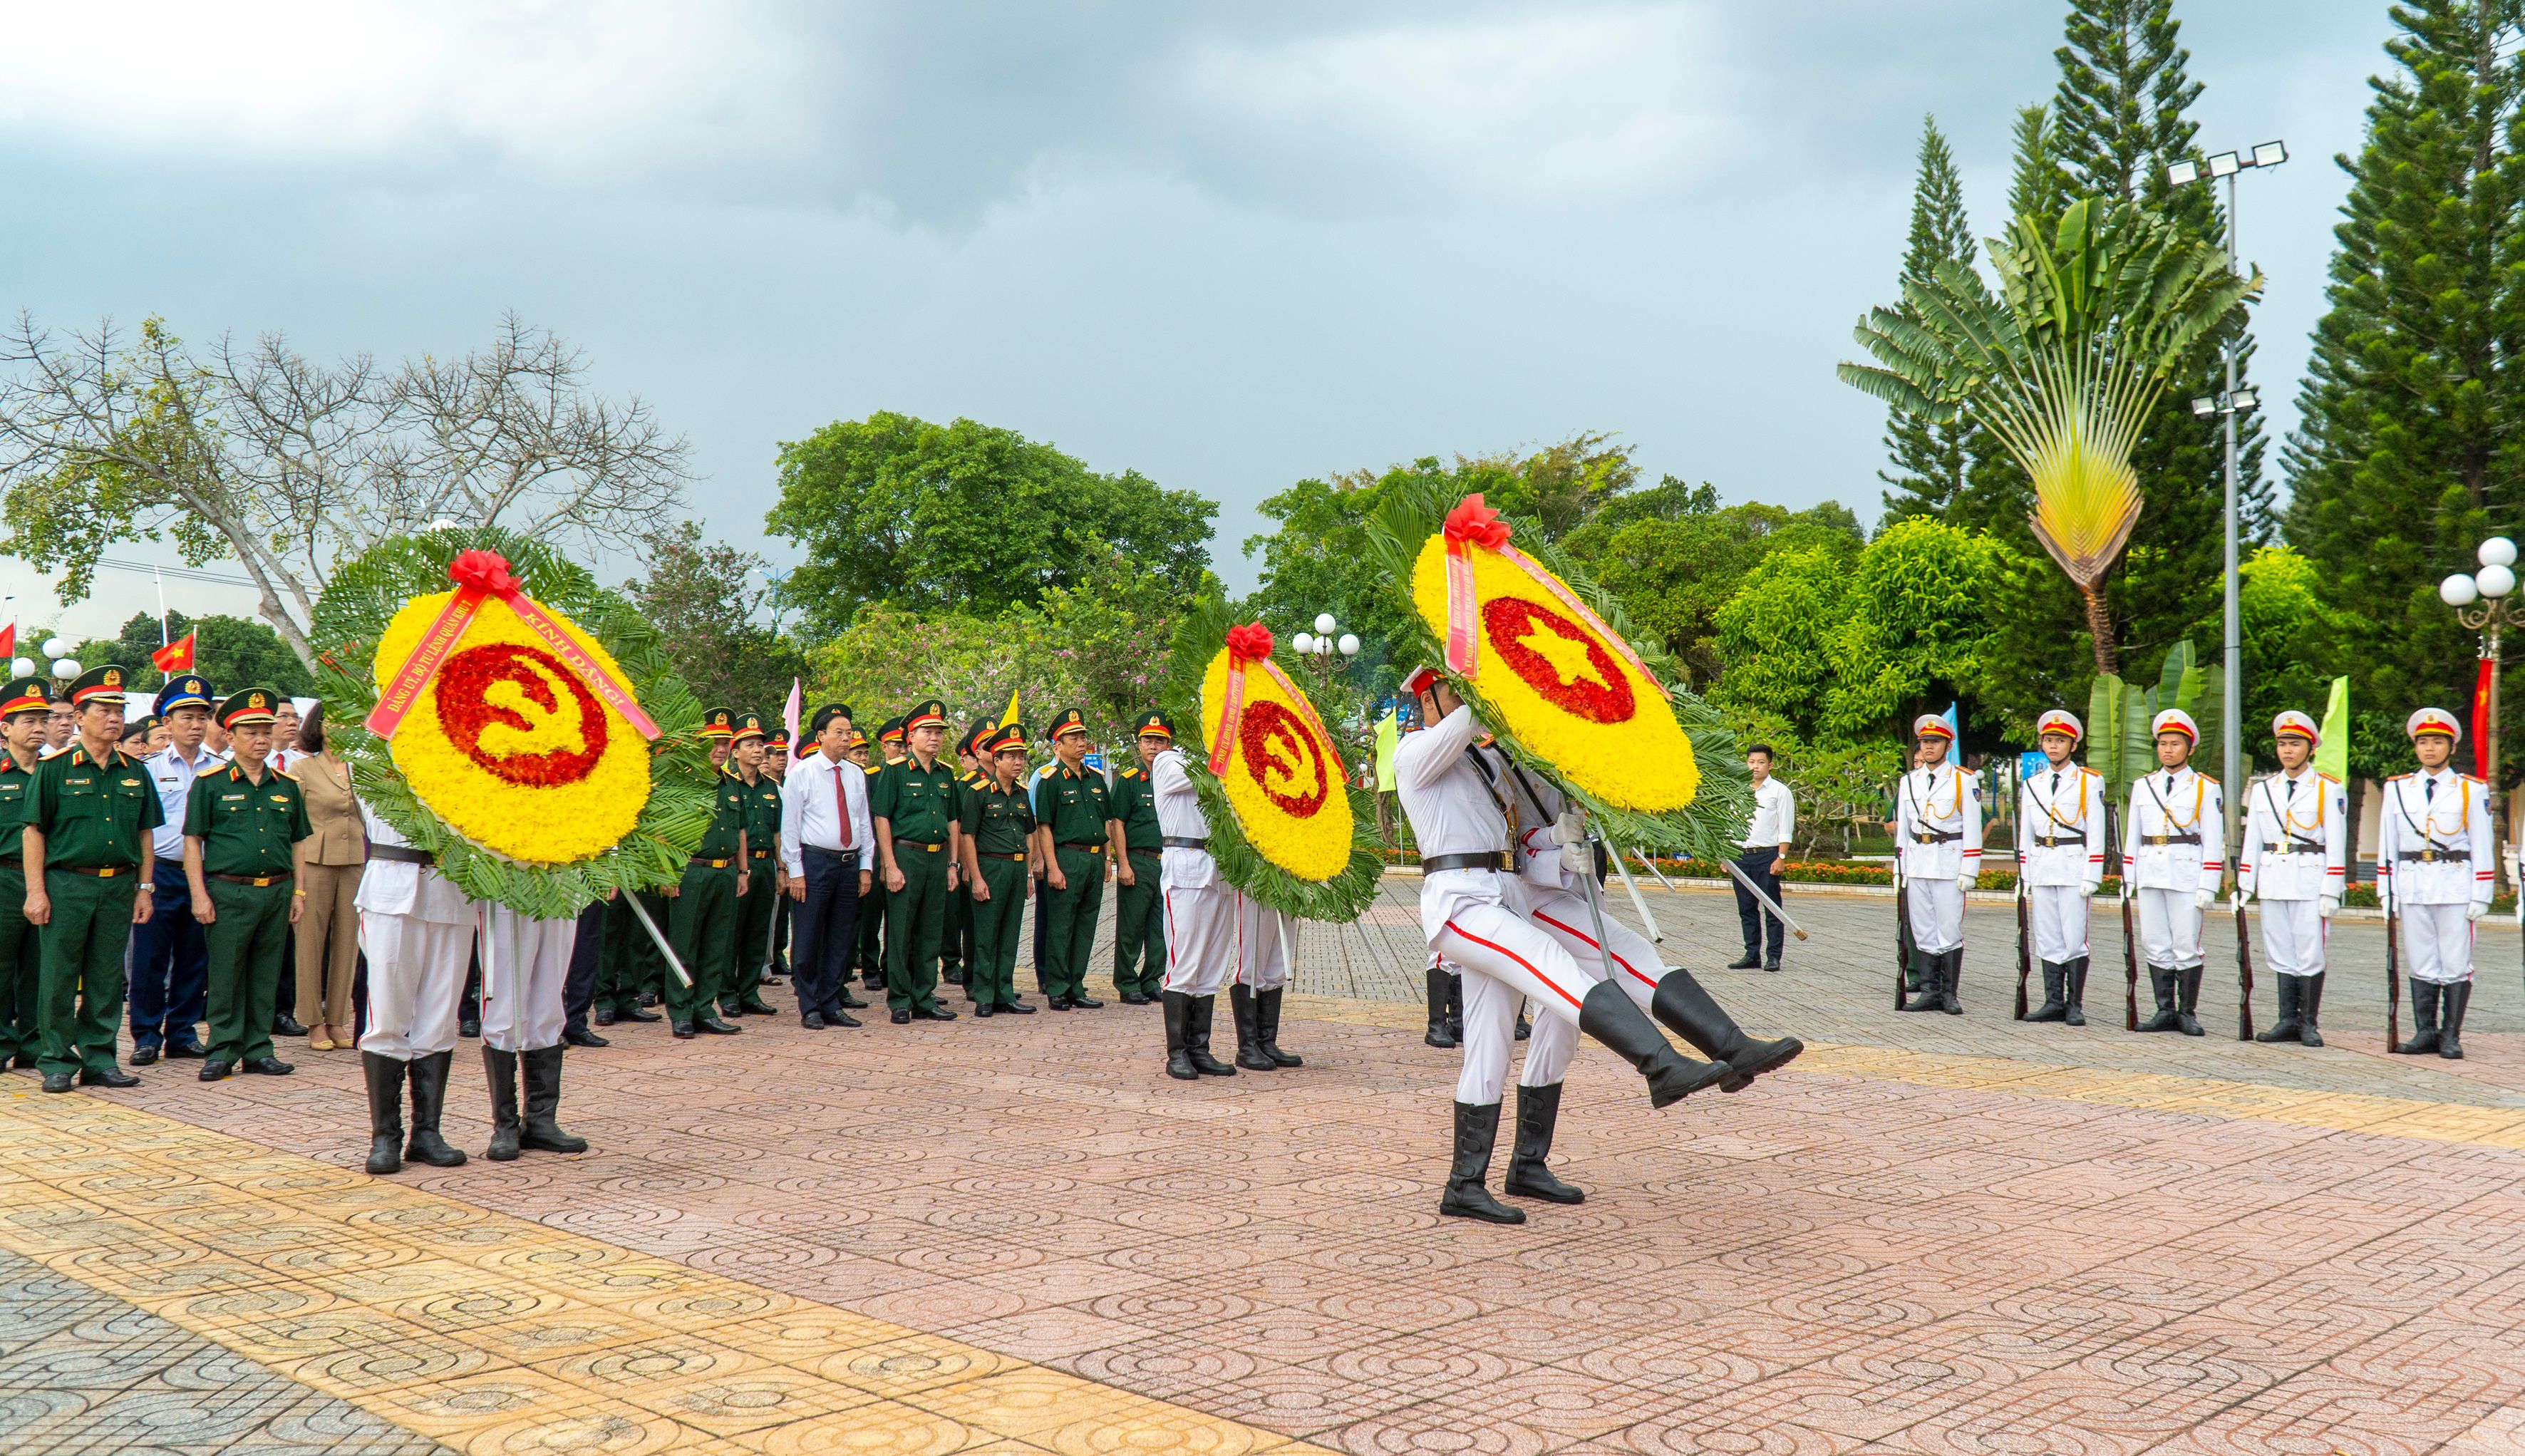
[1010,716]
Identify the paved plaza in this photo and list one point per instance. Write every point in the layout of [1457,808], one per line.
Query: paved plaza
[1932,1234]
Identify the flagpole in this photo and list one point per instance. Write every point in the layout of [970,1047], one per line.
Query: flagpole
[162,604]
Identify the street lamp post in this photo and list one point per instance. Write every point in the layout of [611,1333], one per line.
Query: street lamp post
[2182,174]
[2483,603]
[1327,652]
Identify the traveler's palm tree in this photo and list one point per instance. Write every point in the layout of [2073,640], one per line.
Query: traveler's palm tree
[2063,365]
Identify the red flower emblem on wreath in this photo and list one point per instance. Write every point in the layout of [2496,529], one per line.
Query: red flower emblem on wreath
[1282,759]
[535,680]
[1562,661]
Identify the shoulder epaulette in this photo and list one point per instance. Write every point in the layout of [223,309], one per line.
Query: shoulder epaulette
[2397,778]
[2326,778]
[1130,773]
[874,769]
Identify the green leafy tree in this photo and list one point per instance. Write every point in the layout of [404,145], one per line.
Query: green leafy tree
[2292,640]
[233,652]
[1931,459]
[963,517]
[709,603]
[2037,186]
[2410,450]
[1674,572]
[1912,639]
[1777,633]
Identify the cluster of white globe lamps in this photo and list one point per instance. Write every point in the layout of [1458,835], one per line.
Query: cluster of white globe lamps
[1321,642]
[64,665]
[2496,579]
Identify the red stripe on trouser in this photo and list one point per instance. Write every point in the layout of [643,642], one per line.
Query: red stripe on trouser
[1513,956]
[1616,954]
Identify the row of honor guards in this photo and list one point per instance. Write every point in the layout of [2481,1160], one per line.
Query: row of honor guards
[915,869]
[2434,870]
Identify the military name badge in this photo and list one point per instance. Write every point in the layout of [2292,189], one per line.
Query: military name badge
[510,723]
[1561,681]
[1274,761]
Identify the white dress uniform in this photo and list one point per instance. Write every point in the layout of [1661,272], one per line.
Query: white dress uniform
[1937,840]
[2175,852]
[525,962]
[1200,906]
[2060,811]
[2294,863]
[417,932]
[2432,860]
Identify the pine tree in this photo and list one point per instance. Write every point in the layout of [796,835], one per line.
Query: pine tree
[2408,451]
[1931,463]
[2118,119]
[2039,187]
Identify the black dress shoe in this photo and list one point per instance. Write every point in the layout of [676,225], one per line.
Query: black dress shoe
[1016,1008]
[934,1013]
[716,1027]
[111,1076]
[581,1036]
[216,1070]
[56,1082]
[755,1006]
[1056,1003]
[1134,998]
[142,1056]
[1086,1003]
[1745,962]
[604,1018]
[266,1067]
[902,1018]
[683,1031]
[813,1021]
[179,1051]
[853,1003]
[841,1018]
[285,1024]
[635,1014]
[648,999]
[982,1008]
[469,1029]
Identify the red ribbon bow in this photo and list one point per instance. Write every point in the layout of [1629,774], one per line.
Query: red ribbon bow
[1471,521]
[1249,642]
[485,570]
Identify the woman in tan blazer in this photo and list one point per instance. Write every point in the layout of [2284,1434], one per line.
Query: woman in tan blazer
[333,860]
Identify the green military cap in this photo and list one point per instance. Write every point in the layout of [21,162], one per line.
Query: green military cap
[97,686]
[1066,722]
[930,714]
[775,737]
[26,695]
[253,704]
[890,731]
[748,726]
[1009,737]
[719,723]
[1156,725]
[976,736]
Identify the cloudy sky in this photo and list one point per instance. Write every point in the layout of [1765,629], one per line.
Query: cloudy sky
[1228,245]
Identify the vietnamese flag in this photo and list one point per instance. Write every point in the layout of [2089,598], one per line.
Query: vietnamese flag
[2482,682]
[176,657]
[9,641]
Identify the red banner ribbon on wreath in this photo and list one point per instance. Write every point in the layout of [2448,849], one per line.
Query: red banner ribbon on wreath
[1247,643]
[1472,523]
[479,576]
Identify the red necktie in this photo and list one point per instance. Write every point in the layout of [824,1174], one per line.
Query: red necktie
[841,806]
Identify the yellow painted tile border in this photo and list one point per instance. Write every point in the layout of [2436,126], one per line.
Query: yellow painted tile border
[377,1304]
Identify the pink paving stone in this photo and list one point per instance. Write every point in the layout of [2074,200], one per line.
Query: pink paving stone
[1829,1263]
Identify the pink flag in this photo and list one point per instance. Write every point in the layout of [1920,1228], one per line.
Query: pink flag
[789,714]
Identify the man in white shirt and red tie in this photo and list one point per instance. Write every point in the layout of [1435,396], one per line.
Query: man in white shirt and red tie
[827,842]
[2433,867]
[1765,853]
[2293,859]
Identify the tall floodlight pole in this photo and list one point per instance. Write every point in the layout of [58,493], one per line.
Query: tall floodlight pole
[2227,165]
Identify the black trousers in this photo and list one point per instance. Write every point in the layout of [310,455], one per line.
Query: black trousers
[1757,865]
[826,928]
[586,956]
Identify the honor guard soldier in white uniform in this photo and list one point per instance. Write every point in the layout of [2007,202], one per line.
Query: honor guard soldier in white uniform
[416,931]
[2433,867]
[1936,841]
[2294,860]
[1474,911]
[2175,852]
[1200,916]
[2060,853]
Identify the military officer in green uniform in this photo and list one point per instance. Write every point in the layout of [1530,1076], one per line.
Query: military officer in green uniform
[242,828]
[871,953]
[1139,910]
[914,804]
[26,712]
[956,949]
[1075,830]
[766,884]
[999,830]
[88,866]
[701,925]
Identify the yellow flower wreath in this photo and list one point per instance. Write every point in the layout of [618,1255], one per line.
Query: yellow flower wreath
[508,745]
[1285,778]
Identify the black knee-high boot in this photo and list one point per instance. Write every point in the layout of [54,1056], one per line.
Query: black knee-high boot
[501,1067]
[385,1111]
[1686,1005]
[2310,1004]
[1266,1027]
[1608,1016]
[2161,981]
[2290,1024]
[2187,1021]
[2075,973]
[1438,1035]
[1249,1038]
[1477,1135]
[428,1077]
[540,1069]
[1197,1038]
[1177,1007]
[2458,996]
[2424,1020]
[1537,1113]
[2055,1005]
[1927,967]
[1949,981]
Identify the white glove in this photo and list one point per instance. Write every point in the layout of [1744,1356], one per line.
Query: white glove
[2324,905]
[1570,828]
[2207,898]
[1965,881]
[2244,897]
[2475,911]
